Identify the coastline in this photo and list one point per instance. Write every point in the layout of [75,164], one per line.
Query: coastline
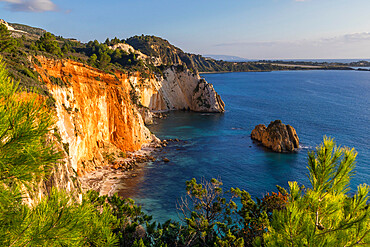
[221,72]
[105,179]
[292,67]
[111,179]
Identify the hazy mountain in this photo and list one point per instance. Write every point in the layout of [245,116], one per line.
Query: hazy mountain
[227,58]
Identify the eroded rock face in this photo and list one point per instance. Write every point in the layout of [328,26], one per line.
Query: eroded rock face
[179,89]
[276,136]
[205,98]
[100,113]
[95,113]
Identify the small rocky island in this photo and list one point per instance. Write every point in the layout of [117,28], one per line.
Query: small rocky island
[277,136]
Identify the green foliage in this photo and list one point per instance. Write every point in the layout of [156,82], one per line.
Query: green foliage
[101,56]
[127,218]
[157,47]
[324,215]
[7,43]
[24,123]
[67,47]
[114,41]
[56,220]
[48,43]
[208,215]
[104,60]
[92,60]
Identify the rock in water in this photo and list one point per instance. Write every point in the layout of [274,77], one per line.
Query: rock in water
[277,136]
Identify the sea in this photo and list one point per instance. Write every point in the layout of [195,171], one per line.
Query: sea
[236,59]
[316,103]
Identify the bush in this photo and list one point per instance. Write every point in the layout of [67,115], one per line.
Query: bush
[48,43]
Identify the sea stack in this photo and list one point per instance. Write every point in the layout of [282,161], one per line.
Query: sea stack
[277,136]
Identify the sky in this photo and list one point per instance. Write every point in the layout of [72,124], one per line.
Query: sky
[252,29]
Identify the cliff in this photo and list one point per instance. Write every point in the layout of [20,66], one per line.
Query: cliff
[98,113]
[101,110]
[94,112]
[179,89]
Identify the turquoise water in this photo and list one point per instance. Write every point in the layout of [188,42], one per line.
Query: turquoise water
[315,103]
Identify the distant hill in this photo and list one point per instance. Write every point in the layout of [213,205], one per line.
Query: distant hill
[168,54]
[35,31]
[227,58]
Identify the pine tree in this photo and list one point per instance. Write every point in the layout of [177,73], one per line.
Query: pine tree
[48,43]
[24,123]
[25,157]
[7,43]
[324,215]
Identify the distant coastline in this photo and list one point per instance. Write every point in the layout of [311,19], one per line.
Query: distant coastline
[320,60]
[281,65]
[223,72]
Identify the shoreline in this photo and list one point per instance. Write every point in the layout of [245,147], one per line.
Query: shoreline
[294,68]
[221,72]
[109,180]
[104,180]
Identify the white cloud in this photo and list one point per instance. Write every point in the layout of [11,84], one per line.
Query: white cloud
[346,38]
[352,45]
[30,5]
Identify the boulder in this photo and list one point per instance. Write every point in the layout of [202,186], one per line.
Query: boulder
[276,136]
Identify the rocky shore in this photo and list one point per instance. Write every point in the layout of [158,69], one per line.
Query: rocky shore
[112,178]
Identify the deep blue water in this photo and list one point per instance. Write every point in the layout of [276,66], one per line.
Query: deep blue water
[315,103]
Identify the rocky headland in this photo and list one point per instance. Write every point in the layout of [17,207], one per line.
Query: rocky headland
[101,117]
[103,96]
[276,136]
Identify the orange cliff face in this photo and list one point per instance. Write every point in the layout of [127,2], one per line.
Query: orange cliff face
[98,113]
[95,113]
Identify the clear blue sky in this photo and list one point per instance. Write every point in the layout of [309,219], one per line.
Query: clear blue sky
[255,29]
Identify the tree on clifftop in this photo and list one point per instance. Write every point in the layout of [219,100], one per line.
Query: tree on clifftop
[48,43]
[7,43]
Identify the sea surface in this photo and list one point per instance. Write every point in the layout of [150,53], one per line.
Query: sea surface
[315,103]
[301,60]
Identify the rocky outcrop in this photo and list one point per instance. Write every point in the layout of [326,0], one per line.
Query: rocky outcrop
[179,89]
[277,136]
[6,24]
